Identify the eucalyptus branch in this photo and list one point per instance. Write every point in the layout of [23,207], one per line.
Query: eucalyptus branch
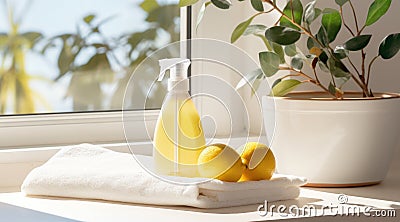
[369,68]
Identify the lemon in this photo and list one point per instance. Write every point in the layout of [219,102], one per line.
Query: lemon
[259,161]
[221,162]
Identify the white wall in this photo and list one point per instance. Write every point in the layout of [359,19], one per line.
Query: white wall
[219,24]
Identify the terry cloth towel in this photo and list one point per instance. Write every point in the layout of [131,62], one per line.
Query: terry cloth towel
[92,172]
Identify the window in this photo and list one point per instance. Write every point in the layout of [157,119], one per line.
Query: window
[75,56]
[67,62]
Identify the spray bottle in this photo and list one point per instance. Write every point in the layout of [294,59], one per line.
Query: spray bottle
[178,137]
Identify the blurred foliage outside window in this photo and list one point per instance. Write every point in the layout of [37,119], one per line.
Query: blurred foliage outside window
[92,67]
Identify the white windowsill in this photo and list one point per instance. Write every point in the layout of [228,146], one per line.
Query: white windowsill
[21,161]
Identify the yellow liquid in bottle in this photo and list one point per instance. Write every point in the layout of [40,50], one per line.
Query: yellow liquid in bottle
[178,138]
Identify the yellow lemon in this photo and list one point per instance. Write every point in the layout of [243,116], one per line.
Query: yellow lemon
[221,162]
[259,161]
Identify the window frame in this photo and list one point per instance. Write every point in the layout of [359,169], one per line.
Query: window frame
[54,129]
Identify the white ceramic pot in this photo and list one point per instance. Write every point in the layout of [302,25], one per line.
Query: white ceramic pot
[334,143]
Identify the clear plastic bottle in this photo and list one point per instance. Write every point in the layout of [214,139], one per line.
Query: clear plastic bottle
[178,137]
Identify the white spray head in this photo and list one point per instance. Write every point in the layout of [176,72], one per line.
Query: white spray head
[178,73]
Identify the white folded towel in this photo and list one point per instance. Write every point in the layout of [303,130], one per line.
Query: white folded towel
[92,172]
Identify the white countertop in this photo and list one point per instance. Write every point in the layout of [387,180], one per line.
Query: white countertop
[16,207]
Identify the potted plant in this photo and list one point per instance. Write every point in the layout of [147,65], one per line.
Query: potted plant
[333,137]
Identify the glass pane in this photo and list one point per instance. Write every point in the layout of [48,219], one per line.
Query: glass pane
[78,55]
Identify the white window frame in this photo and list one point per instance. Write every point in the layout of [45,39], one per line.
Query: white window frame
[38,130]
[48,130]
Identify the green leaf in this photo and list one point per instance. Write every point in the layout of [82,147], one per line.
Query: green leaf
[201,14]
[250,78]
[377,9]
[269,62]
[265,41]
[291,50]
[254,29]
[65,60]
[222,4]
[136,38]
[89,18]
[323,67]
[255,86]
[276,82]
[163,15]
[340,52]
[311,13]
[311,43]
[390,46]
[338,69]
[323,57]
[297,63]
[332,22]
[341,2]
[357,43]
[332,88]
[241,28]
[149,5]
[183,3]
[297,10]
[257,5]
[99,67]
[278,49]
[282,35]
[32,38]
[322,36]
[284,87]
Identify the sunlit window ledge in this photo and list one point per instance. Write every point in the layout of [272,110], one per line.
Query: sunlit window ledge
[18,162]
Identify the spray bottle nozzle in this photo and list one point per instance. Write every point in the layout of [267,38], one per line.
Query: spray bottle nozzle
[178,72]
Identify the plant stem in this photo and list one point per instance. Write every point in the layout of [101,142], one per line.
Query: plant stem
[291,75]
[359,83]
[369,68]
[309,78]
[316,76]
[354,67]
[344,23]
[362,29]
[363,54]
[298,71]
[354,15]
[307,32]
